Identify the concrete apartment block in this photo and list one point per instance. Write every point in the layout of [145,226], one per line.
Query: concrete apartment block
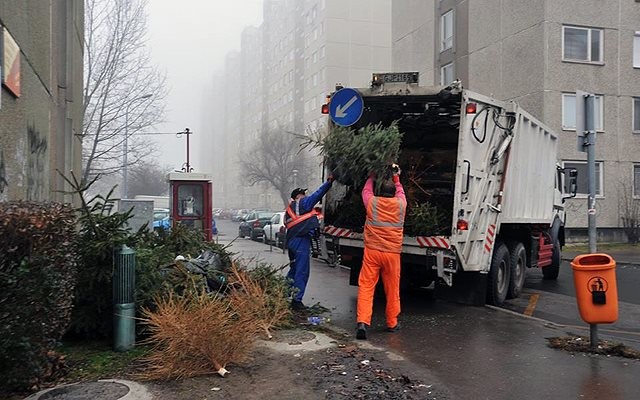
[514,51]
[306,48]
[38,128]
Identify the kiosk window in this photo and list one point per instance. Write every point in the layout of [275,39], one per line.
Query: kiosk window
[190,200]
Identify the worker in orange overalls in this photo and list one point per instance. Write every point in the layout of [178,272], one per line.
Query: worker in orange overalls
[383,230]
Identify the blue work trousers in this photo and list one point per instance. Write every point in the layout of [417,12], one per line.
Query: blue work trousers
[300,258]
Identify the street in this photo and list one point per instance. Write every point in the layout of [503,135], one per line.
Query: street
[484,352]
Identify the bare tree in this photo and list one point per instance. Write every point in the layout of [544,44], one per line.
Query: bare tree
[123,92]
[273,159]
[148,178]
[629,210]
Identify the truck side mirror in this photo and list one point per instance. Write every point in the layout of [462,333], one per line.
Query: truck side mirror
[573,182]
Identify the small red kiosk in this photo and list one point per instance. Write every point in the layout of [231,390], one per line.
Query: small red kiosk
[191,200]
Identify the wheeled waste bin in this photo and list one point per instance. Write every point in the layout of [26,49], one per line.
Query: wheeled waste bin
[594,277]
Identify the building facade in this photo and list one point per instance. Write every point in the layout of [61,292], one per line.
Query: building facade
[287,66]
[539,53]
[41,97]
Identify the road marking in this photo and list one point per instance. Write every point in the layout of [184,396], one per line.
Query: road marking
[533,300]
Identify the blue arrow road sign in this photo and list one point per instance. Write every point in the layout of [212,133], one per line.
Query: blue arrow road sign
[346,107]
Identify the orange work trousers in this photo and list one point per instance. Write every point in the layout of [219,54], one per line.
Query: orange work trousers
[374,264]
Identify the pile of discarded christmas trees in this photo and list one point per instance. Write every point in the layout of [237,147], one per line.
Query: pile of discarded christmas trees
[352,155]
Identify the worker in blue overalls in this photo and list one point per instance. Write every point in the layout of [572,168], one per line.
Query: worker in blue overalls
[301,220]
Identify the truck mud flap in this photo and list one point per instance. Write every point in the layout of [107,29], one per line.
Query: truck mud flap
[354,274]
[468,288]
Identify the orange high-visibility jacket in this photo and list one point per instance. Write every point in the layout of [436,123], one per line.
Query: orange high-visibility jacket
[383,228]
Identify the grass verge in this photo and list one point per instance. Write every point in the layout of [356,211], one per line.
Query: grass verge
[98,360]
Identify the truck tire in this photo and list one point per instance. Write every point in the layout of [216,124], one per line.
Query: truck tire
[499,273]
[550,272]
[518,261]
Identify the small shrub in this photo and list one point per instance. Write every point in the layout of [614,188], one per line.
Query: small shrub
[38,268]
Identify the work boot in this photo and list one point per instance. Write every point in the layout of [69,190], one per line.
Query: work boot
[394,329]
[297,305]
[361,331]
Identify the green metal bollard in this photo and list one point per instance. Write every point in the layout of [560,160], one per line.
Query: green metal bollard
[124,308]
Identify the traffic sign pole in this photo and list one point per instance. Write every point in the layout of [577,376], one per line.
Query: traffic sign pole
[585,128]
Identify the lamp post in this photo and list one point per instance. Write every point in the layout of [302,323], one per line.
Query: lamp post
[125,162]
[295,178]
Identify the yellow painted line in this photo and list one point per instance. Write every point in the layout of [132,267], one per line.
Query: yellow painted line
[533,300]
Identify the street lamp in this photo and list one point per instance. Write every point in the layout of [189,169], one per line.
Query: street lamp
[125,167]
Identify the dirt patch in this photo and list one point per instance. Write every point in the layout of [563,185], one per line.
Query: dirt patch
[344,371]
[580,344]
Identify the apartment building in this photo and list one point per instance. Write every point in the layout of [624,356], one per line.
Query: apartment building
[539,53]
[306,48]
[41,97]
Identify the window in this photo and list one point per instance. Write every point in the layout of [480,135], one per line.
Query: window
[569,112]
[582,44]
[636,115]
[446,31]
[583,177]
[322,52]
[636,50]
[636,180]
[446,74]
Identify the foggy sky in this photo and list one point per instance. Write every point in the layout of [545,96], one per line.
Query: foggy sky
[188,40]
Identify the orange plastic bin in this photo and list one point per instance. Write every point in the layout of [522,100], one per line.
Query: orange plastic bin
[594,277]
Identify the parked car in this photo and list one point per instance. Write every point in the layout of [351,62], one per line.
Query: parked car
[161,218]
[217,212]
[240,215]
[275,231]
[253,224]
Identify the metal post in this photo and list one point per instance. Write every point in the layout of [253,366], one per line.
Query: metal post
[125,161]
[124,308]
[188,165]
[590,137]
[591,165]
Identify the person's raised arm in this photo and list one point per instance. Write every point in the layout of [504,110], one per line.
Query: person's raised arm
[367,190]
[396,180]
[307,203]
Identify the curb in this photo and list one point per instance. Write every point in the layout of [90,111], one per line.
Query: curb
[136,390]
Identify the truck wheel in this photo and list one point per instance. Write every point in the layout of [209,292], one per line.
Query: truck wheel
[550,272]
[518,261]
[498,278]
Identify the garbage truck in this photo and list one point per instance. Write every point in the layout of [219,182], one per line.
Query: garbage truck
[488,167]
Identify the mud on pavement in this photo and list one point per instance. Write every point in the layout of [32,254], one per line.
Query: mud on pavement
[311,364]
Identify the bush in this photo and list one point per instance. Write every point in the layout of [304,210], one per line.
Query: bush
[38,268]
[100,233]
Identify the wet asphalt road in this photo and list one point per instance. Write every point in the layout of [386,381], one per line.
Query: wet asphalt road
[482,352]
